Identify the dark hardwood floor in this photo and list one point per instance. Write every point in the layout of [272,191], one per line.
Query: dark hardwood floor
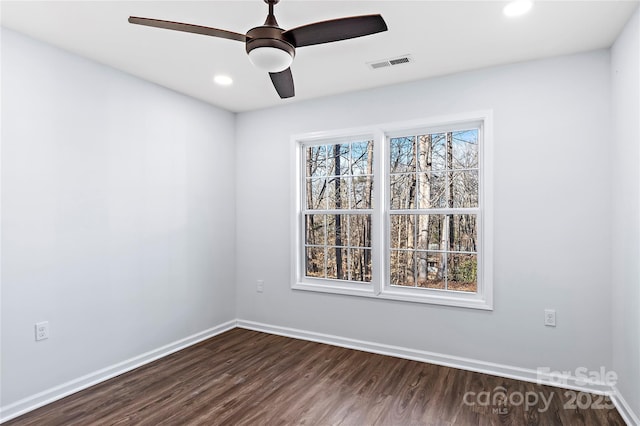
[243,377]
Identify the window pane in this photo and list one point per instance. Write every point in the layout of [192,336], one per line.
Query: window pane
[316,192]
[402,268]
[337,263]
[462,272]
[431,191]
[338,159]
[360,264]
[315,229]
[465,189]
[359,230]
[402,230]
[425,154]
[432,232]
[464,232]
[430,152]
[338,192]
[337,230]
[314,263]
[361,158]
[429,231]
[403,191]
[464,145]
[431,269]
[402,154]
[316,161]
[438,151]
[360,193]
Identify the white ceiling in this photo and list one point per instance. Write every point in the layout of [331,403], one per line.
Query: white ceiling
[443,37]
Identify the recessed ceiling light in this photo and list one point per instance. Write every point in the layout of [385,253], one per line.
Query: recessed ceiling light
[517,7]
[223,80]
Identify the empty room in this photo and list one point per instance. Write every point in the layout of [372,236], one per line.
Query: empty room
[289,212]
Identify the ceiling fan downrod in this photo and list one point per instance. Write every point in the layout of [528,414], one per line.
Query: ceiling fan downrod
[271,17]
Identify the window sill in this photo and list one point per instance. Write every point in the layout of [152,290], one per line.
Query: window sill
[471,301]
[456,299]
[337,288]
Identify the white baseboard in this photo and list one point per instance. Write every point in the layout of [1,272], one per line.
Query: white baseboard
[48,396]
[500,370]
[624,409]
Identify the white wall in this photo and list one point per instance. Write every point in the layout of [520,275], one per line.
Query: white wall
[117,216]
[625,142]
[552,216]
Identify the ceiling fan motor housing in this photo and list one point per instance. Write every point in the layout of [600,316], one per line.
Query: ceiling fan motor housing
[268,36]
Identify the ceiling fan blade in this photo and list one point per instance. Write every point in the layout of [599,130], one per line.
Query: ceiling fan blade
[335,30]
[189,28]
[283,82]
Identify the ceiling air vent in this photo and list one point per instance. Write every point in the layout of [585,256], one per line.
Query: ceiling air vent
[399,61]
[385,63]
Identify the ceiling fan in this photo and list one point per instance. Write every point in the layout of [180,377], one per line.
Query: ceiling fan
[271,48]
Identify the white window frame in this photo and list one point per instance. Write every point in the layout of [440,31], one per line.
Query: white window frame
[379,287]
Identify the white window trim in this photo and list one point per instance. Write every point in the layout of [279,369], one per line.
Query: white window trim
[379,288]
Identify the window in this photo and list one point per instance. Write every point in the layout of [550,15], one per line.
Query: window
[337,211]
[399,211]
[434,210]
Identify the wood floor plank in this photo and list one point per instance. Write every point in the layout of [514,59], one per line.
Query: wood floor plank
[244,377]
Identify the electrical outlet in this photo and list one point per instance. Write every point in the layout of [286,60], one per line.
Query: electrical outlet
[550,317]
[260,286]
[42,330]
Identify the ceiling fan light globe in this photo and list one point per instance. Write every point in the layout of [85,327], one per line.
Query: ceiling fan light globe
[270,59]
